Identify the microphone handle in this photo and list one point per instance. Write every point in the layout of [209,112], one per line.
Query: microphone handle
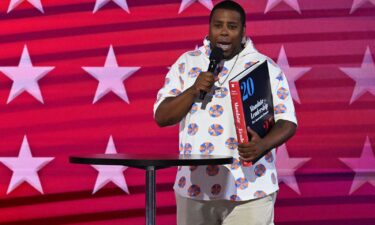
[211,68]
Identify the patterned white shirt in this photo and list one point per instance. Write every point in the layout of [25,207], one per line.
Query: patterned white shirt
[212,130]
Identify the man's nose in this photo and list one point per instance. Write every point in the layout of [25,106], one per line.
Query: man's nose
[224,31]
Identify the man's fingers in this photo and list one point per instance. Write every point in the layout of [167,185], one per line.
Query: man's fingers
[249,145]
[253,134]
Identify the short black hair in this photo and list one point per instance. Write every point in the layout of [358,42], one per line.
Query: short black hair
[230,5]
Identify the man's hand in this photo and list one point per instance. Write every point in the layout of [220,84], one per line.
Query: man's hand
[173,109]
[252,149]
[204,82]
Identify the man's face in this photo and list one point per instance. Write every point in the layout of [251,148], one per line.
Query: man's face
[226,32]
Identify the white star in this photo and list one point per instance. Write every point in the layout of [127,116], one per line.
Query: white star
[364,167]
[36,3]
[25,77]
[292,3]
[101,3]
[25,167]
[111,77]
[364,76]
[287,166]
[186,3]
[358,3]
[292,73]
[110,173]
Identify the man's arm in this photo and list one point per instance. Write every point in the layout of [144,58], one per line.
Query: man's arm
[173,109]
[279,134]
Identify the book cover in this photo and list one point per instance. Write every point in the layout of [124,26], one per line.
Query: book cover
[252,102]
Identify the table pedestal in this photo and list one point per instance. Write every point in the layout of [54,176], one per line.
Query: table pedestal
[151,163]
[150,195]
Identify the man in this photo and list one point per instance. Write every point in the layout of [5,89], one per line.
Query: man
[232,194]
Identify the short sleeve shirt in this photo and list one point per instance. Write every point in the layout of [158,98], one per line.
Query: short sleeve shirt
[211,130]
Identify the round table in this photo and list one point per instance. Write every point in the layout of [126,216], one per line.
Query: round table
[150,163]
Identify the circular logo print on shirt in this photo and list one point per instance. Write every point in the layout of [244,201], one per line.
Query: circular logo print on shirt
[194,108]
[269,157]
[280,77]
[180,147]
[259,170]
[215,130]
[174,92]
[242,183]
[273,178]
[206,148]
[194,72]
[249,64]
[194,190]
[195,53]
[212,170]
[223,72]
[166,81]
[216,189]
[181,68]
[182,182]
[236,164]
[280,108]
[221,92]
[235,198]
[181,82]
[231,143]
[187,149]
[216,111]
[207,50]
[192,129]
[282,93]
[260,194]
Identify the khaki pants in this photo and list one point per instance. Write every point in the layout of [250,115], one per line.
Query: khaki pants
[224,212]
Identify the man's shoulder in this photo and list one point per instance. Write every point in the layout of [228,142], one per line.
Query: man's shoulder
[274,69]
[271,63]
[194,56]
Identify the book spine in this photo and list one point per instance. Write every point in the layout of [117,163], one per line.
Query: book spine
[238,113]
[239,117]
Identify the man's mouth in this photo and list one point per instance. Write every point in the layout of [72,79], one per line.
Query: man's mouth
[224,46]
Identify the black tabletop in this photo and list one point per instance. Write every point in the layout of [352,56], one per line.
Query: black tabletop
[146,160]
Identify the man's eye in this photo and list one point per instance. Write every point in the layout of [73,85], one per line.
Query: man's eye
[232,27]
[217,25]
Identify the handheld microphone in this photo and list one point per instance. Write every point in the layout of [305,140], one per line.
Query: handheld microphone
[215,58]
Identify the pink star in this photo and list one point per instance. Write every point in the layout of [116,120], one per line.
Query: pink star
[358,3]
[100,3]
[111,77]
[36,3]
[286,167]
[110,173]
[292,3]
[25,77]
[292,73]
[364,76]
[25,167]
[186,3]
[364,167]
